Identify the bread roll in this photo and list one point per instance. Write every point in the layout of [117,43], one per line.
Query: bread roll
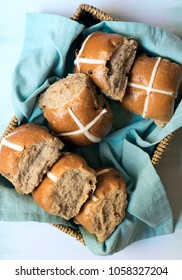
[66,186]
[152,88]
[75,111]
[104,210]
[26,155]
[107,59]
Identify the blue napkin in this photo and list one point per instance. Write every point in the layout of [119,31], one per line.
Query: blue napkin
[48,39]
[47,55]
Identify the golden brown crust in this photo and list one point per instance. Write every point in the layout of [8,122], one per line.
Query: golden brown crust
[107,183]
[86,107]
[24,135]
[44,193]
[168,76]
[67,161]
[102,46]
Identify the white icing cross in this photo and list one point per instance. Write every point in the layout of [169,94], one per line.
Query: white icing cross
[5,142]
[149,88]
[103,171]
[93,197]
[52,177]
[79,59]
[88,61]
[84,129]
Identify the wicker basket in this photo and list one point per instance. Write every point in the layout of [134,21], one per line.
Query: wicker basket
[89,15]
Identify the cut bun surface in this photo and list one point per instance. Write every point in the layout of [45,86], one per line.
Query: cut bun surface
[107,59]
[105,209]
[26,155]
[75,111]
[66,186]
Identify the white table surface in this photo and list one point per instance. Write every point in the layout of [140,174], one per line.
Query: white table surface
[45,241]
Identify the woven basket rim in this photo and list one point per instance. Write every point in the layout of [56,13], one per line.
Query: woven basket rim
[95,12]
[99,15]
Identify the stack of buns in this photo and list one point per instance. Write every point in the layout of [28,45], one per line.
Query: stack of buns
[143,85]
[60,182]
[107,66]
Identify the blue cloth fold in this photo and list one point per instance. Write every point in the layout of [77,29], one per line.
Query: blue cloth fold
[42,62]
[47,55]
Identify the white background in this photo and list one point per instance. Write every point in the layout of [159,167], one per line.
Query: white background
[42,241]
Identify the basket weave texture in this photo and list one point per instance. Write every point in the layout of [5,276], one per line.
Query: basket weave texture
[86,14]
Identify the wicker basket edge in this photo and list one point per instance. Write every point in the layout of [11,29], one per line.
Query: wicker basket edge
[160,148]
